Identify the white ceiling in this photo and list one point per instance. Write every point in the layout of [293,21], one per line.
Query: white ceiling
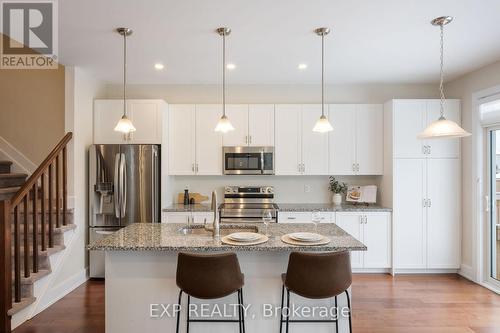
[373,41]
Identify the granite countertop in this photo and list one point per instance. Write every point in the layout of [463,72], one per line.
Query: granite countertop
[289,207]
[329,207]
[180,208]
[166,237]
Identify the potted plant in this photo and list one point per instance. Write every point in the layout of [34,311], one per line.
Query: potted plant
[337,188]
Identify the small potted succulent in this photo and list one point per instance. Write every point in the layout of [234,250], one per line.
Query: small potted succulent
[337,188]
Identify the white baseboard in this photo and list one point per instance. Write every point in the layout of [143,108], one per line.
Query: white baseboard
[467,272]
[61,290]
[20,162]
[425,271]
[371,270]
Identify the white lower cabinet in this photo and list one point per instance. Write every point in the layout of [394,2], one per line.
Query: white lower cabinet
[187,217]
[372,229]
[304,217]
[427,214]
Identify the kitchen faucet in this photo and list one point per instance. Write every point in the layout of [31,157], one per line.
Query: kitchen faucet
[215,224]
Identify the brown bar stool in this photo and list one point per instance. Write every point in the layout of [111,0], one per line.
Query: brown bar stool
[316,276]
[210,277]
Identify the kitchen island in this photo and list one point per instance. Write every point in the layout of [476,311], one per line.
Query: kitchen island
[141,262]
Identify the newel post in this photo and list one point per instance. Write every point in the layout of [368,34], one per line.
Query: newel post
[5,266]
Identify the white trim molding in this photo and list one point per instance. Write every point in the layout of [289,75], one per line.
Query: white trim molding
[19,161]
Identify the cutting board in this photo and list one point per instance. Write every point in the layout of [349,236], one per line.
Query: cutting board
[198,198]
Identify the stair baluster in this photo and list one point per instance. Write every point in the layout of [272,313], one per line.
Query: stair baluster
[10,215]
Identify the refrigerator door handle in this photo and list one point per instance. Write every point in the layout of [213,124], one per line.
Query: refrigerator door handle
[154,191]
[116,190]
[123,185]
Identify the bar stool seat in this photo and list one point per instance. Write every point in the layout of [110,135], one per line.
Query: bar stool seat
[317,276]
[210,276]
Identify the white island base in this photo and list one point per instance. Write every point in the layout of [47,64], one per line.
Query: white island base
[137,279]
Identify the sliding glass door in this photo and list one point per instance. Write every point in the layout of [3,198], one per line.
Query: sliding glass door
[493,239]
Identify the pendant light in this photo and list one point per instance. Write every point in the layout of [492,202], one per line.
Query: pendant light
[322,125]
[224,125]
[442,128]
[124,124]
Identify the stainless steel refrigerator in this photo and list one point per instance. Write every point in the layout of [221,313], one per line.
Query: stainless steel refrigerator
[124,188]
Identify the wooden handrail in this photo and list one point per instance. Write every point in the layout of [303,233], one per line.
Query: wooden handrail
[16,199]
[32,194]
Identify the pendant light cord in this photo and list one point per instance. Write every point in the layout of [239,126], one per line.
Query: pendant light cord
[441,74]
[323,75]
[224,74]
[124,73]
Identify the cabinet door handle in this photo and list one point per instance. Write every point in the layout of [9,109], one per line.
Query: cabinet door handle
[192,167]
[196,167]
[303,167]
[354,167]
[291,218]
[299,167]
[246,139]
[429,150]
[250,139]
[424,202]
[357,167]
[429,203]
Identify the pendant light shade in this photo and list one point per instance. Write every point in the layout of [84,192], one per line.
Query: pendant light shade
[442,128]
[224,125]
[124,125]
[322,125]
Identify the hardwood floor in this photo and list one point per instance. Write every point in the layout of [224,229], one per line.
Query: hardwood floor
[382,304]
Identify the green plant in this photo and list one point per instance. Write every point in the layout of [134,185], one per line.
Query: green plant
[337,187]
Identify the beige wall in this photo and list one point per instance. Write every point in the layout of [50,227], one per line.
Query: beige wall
[32,110]
[463,88]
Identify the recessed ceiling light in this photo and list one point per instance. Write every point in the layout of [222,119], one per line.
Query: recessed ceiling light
[302,66]
[159,66]
[230,66]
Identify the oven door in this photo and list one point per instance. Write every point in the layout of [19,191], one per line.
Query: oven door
[248,160]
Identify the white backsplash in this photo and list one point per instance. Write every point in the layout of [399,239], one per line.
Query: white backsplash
[288,189]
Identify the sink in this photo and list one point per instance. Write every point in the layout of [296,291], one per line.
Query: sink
[225,229]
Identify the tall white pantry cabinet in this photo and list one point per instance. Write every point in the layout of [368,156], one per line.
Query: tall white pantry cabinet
[422,183]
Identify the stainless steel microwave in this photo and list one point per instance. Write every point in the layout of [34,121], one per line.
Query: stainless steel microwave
[248,160]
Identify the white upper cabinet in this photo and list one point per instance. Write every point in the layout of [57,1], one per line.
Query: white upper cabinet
[238,116]
[146,115]
[208,142]
[253,125]
[261,125]
[288,155]
[369,139]
[356,142]
[181,138]
[106,116]
[410,117]
[314,144]
[342,139]
[409,120]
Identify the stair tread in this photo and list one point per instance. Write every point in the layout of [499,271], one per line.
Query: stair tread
[4,162]
[25,302]
[13,175]
[12,189]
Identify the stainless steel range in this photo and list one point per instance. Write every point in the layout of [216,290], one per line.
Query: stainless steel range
[247,204]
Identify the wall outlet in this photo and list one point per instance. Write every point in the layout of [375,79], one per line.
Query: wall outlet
[307,188]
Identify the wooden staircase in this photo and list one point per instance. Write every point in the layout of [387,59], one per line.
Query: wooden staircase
[33,219]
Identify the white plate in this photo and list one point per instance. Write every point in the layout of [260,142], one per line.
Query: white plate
[244,236]
[305,236]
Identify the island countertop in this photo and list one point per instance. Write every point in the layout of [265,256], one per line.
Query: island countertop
[166,237]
